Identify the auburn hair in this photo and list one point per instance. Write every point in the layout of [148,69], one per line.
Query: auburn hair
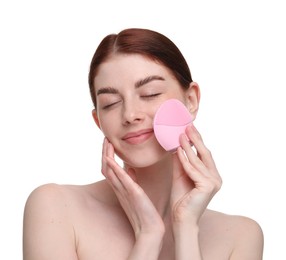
[148,43]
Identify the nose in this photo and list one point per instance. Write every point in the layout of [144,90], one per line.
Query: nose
[132,113]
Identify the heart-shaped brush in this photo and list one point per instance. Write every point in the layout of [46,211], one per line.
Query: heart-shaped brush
[170,121]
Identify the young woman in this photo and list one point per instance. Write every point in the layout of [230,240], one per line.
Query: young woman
[155,207]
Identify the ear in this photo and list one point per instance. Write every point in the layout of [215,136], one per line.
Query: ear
[95,118]
[193,96]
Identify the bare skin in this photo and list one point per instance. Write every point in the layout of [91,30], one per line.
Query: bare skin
[155,207]
[87,222]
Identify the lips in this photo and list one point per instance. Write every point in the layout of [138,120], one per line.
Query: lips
[138,136]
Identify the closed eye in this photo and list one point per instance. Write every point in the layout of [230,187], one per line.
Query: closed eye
[151,95]
[110,105]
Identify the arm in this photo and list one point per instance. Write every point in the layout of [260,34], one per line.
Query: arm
[47,234]
[187,242]
[146,222]
[146,246]
[195,182]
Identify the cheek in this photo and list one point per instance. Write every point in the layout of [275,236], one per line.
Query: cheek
[108,125]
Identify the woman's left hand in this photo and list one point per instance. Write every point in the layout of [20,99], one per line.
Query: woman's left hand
[195,179]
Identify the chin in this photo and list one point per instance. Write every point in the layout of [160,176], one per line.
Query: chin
[143,158]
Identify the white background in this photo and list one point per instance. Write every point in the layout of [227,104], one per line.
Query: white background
[236,52]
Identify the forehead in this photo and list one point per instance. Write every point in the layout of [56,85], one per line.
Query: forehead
[128,68]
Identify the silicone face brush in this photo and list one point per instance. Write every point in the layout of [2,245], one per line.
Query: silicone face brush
[170,121]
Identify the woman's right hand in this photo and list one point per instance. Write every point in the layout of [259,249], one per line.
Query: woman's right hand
[141,212]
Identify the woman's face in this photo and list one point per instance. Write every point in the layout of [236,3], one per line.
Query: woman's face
[129,90]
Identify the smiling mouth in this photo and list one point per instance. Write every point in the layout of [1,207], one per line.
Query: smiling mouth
[138,137]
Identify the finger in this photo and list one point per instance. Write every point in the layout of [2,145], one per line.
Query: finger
[211,182]
[204,155]
[104,146]
[103,155]
[108,152]
[191,155]
[189,169]
[126,182]
[113,179]
[178,169]
[202,151]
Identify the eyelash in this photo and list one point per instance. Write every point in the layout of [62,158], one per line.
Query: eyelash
[110,105]
[144,96]
[152,95]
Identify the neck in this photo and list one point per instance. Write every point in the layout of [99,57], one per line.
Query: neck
[156,181]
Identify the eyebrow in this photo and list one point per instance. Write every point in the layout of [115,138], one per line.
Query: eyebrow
[146,80]
[138,84]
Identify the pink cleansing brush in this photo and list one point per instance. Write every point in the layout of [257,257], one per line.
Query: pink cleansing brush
[170,121]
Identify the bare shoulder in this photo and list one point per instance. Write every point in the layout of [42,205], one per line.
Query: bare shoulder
[45,193]
[51,215]
[242,235]
[64,201]
[47,198]
[67,194]
[42,200]
[236,223]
